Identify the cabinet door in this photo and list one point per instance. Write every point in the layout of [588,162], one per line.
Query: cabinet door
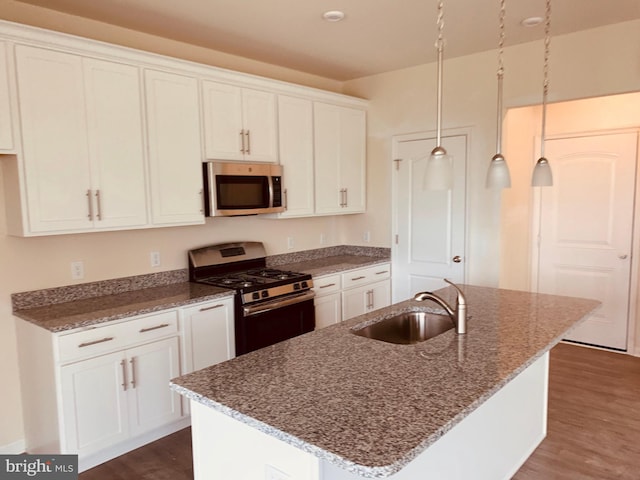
[6,127]
[208,334]
[353,135]
[295,131]
[94,403]
[54,138]
[328,310]
[114,115]
[328,195]
[259,120]
[364,299]
[152,403]
[223,129]
[173,118]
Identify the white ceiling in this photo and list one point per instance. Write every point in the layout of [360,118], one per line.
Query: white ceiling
[375,35]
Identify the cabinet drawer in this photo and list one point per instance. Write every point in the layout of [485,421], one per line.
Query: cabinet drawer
[89,343]
[151,327]
[366,275]
[112,337]
[327,284]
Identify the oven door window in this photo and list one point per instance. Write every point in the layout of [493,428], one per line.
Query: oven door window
[242,192]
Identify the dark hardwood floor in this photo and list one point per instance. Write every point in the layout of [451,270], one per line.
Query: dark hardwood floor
[593,427]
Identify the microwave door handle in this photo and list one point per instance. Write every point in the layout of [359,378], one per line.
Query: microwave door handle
[270,180]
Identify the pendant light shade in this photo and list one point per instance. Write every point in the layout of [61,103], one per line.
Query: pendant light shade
[498,174]
[542,176]
[439,172]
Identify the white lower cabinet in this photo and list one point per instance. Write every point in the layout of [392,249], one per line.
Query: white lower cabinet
[208,334]
[365,290]
[109,398]
[357,301]
[354,292]
[102,391]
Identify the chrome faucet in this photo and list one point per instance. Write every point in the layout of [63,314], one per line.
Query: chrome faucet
[459,315]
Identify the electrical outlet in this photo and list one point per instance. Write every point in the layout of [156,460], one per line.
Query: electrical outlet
[155,259]
[366,236]
[272,473]
[289,243]
[323,239]
[77,270]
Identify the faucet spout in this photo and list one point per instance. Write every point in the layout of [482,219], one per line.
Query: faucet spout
[458,315]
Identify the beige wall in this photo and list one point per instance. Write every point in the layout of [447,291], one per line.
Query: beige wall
[402,102]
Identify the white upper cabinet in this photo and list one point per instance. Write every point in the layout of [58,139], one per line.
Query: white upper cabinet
[82,142]
[116,145]
[340,159]
[6,129]
[295,131]
[239,123]
[175,156]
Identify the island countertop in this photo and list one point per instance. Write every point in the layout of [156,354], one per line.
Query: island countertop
[371,407]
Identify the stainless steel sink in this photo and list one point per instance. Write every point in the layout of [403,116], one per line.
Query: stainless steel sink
[407,328]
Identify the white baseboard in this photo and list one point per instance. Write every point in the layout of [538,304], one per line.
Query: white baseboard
[13,448]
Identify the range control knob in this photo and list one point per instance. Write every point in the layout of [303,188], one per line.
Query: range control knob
[264,293]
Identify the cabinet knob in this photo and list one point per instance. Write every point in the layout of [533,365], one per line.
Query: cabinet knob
[457,259]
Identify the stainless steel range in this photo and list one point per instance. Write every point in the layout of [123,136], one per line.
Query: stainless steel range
[271,305]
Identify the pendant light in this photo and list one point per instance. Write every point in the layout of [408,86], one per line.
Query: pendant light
[542,176]
[439,174]
[498,173]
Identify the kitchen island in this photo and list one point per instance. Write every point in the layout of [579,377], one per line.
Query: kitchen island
[334,405]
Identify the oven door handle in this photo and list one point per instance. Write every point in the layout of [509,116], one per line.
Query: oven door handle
[278,303]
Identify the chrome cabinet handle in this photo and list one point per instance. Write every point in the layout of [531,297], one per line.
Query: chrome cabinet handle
[327,285]
[457,259]
[90,215]
[358,278]
[148,329]
[248,135]
[95,342]
[99,204]
[342,191]
[346,197]
[201,193]
[204,309]
[286,200]
[242,140]
[369,299]
[133,372]
[382,272]
[123,364]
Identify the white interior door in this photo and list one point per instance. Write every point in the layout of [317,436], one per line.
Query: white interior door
[429,226]
[586,227]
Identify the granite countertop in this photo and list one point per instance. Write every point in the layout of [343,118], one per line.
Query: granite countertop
[83,305]
[333,264]
[370,407]
[95,310]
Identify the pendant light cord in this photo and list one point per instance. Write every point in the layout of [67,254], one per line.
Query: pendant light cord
[440,47]
[545,84]
[500,77]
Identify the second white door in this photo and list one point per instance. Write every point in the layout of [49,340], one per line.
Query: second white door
[586,230]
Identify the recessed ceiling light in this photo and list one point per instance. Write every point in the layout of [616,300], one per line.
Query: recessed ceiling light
[333,15]
[531,21]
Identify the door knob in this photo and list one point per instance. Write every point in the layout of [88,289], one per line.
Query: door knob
[457,259]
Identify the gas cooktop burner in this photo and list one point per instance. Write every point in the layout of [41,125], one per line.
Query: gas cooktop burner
[273,273]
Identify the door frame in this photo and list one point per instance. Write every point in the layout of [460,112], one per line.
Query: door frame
[429,135]
[536,221]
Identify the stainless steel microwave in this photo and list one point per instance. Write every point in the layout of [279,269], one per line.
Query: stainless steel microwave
[235,188]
